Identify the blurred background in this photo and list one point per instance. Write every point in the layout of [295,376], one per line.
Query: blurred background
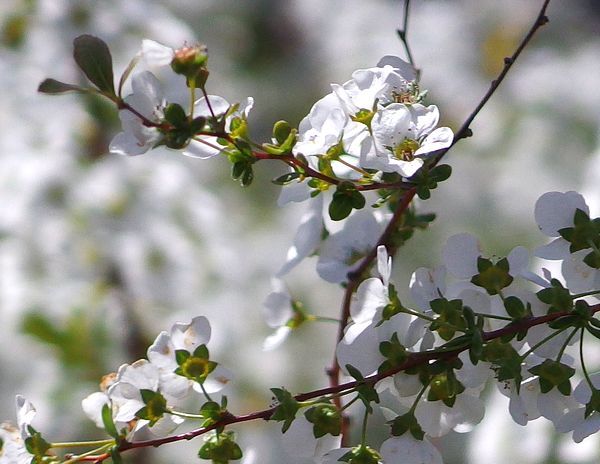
[98,253]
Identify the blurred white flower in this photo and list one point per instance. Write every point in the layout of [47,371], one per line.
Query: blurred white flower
[195,371]
[147,100]
[408,450]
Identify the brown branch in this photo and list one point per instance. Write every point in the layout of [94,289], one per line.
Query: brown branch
[463,132]
[414,360]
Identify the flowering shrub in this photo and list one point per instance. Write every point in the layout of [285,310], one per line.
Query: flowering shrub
[362,155]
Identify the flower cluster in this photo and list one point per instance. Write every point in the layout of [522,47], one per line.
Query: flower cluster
[374,121]
[473,320]
[145,393]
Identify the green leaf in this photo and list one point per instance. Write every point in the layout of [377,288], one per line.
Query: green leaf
[93,58]
[286,410]
[201,351]
[52,86]
[515,308]
[281,131]
[326,419]
[492,277]
[441,173]
[286,178]
[592,259]
[107,420]
[340,207]
[558,297]
[115,455]
[221,448]
[247,176]
[175,114]
[407,423]
[554,374]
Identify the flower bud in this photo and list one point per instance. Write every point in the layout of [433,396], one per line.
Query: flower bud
[190,61]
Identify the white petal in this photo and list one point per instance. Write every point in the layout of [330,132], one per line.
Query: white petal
[205,147]
[460,255]
[162,353]
[92,407]
[277,338]
[296,192]
[190,336]
[218,105]
[361,350]
[371,297]
[437,140]
[406,449]
[155,54]
[278,305]
[556,210]
[405,69]
[218,379]
[308,236]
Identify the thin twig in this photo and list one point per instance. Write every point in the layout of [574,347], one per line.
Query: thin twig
[465,131]
[413,360]
[354,279]
[403,34]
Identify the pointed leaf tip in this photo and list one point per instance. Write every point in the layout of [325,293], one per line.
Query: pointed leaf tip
[52,86]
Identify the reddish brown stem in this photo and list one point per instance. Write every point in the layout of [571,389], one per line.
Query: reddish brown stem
[413,360]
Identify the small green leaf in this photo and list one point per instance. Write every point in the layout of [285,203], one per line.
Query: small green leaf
[175,114]
[52,86]
[286,178]
[287,408]
[281,131]
[326,419]
[93,57]
[441,173]
[107,420]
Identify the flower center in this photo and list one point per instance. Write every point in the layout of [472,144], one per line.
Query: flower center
[405,151]
[195,367]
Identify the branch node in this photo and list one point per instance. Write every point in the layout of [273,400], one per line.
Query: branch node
[508,60]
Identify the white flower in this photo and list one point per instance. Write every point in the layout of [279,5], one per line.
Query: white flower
[322,128]
[427,285]
[308,235]
[436,419]
[25,414]
[402,138]
[128,403]
[461,252]
[147,100]
[406,449]
[389,80]
[299,440]
[372,294]
[188,338]
[575,419]
[555,211]
[343,251]
[278,312]
[12,447]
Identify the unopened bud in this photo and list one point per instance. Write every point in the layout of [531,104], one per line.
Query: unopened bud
[190,61]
